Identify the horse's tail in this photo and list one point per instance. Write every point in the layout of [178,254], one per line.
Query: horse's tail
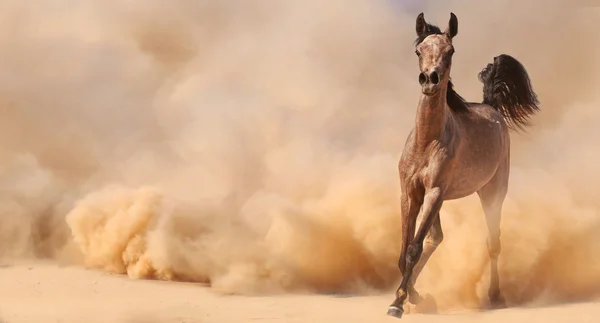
[507,88]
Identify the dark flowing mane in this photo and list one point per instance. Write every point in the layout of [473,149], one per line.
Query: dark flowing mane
[456,103]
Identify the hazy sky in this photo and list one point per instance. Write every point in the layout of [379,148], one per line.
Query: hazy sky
[411,6]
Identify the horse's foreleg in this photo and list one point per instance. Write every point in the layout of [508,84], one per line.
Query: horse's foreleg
[431,206]
[410,211]
[432,241]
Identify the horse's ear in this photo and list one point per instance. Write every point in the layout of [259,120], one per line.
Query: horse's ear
[421,25]
[452,28]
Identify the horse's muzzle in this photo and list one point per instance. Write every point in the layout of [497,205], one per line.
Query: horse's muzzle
[432,77]
[430,89]
[429,82]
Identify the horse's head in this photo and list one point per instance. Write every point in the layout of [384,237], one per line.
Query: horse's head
[434,49]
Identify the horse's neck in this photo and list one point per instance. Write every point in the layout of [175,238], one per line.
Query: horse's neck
[431,119]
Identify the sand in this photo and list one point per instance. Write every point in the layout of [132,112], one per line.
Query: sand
[33,293]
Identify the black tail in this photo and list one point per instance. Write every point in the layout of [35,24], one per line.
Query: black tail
[507,88]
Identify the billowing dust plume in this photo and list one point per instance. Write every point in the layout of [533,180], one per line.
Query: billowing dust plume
[253,145]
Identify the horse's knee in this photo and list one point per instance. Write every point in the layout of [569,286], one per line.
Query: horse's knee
[413,253]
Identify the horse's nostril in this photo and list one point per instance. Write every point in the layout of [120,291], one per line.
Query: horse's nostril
[434,78]
[422,78]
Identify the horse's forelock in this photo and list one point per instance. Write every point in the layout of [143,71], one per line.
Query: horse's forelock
[430,30]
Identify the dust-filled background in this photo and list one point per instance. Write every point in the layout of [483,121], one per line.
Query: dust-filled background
[253,145]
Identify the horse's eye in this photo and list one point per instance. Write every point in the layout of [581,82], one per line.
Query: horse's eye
[418,53]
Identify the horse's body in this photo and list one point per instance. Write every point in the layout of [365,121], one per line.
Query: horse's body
[456,149]
[468,164]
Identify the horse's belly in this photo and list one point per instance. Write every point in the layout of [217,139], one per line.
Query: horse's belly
[468,180]
[459,192]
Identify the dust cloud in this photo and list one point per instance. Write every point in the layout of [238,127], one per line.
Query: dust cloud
[253,145]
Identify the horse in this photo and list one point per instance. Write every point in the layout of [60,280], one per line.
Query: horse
[456,148]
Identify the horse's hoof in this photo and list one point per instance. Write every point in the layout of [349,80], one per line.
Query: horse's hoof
[497,301]
[498,304]
[395,311]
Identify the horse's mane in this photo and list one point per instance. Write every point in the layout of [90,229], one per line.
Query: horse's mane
[456,102]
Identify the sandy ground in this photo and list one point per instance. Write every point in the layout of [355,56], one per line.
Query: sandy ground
[49,293]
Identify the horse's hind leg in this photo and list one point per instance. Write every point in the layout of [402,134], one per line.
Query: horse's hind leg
[432,241]
[492,197]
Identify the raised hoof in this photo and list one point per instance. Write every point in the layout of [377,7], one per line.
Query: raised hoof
[395,311]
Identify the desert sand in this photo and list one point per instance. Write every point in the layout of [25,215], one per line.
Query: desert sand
[236,161]
[49,293]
